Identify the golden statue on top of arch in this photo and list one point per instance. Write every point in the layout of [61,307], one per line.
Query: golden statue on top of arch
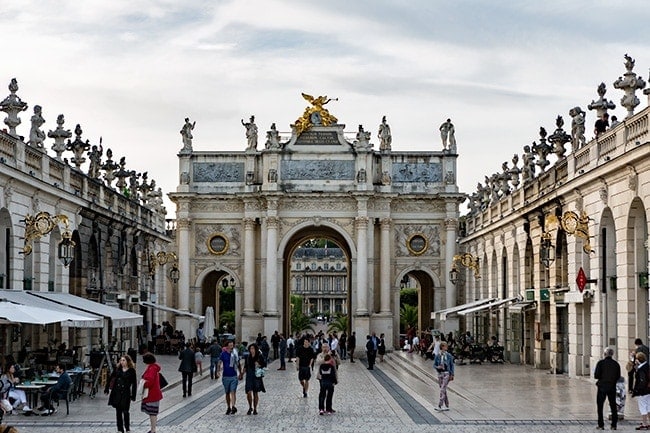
[316,115]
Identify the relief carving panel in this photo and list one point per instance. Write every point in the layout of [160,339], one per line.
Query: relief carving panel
[404,233]
[317,170]
[218,172]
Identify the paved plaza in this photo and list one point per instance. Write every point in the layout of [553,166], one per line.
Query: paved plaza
[398,396]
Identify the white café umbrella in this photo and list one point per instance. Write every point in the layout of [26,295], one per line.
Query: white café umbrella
[208,325]
[18,313]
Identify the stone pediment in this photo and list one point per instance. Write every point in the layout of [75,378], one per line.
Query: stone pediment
[319,139]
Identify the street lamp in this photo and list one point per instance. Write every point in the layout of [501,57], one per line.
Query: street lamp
[42,224]
[453,274]
[228,283]
[547,253]
[161,258]
[174,274]
[404,283]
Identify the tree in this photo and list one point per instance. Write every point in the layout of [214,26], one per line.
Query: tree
[408,315]
[339,324]
[408,297]
[227,321]
[300,323]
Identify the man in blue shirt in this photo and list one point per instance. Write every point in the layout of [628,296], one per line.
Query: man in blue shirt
[232,373]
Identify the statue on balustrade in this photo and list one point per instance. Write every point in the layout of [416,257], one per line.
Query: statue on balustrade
[186,133]
[515,172]
[528,170]
[36,136]
[384,135]
[577,128]
[95,157]
[273,138]
[251,133]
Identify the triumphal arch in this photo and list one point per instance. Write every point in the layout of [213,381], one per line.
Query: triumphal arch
[241,215]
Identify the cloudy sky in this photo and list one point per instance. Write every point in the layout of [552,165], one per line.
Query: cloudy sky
[131,71]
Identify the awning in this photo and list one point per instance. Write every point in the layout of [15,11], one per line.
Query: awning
[120,318]
[519,307]
[84,320]
[173,310]
[11,312]
[443,313]
[501,303]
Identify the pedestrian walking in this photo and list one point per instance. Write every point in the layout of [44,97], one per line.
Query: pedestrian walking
[214,351]
[151,392]
[327,377]
[232,373]
[265,348]
[122,387]
[282,347]
[443,364]
[254,366]
[275,342]
[343,348]
[305,357]
[606,374]
[639,347]
[291,348]
[352,344]
[187,368]
[371,352]
[641,391]
[381,347]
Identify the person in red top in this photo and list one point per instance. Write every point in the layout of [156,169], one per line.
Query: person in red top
[151,403]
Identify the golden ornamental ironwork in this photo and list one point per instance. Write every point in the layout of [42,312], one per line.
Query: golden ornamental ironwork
[160,258]
[42,224]
[316,115]
[469,261]
[578,225]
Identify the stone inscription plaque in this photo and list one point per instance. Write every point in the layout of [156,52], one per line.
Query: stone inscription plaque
[416,172]
[323,138]
[317,170]
[218,172]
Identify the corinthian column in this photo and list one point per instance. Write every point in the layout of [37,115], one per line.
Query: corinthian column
[361,224]
[384,260]
[271,265]
[249,265]
[450,250]
[183,231]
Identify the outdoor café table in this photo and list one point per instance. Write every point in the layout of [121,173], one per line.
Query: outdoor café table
[44,382]
[33,390]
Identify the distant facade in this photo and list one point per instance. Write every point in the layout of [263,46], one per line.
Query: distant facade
[320,277]
[562,242]
[242,215]
[114,215]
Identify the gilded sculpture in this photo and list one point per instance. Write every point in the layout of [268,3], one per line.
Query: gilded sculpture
[316,115]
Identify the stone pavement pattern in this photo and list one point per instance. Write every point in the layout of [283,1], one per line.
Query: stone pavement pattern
[399,396]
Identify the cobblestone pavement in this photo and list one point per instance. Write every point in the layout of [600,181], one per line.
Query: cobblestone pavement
[398,396]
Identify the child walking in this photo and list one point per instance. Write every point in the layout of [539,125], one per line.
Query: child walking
[198,358]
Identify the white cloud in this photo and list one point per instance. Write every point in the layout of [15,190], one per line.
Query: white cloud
[132,71]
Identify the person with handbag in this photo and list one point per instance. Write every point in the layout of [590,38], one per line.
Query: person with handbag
[122,387]
[151,393]
[254,367]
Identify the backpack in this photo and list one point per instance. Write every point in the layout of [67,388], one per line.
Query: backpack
[5,385]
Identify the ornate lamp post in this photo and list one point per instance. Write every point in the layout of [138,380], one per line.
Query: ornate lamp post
[43,223]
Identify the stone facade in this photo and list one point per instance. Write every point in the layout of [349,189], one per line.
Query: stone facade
[592,205]
[257,205]
[114,230]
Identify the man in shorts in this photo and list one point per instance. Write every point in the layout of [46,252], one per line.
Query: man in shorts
[305,356]
[232,374]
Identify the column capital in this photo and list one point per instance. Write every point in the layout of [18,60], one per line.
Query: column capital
[249,223]
[451,223]
[272,222]
[183,223]
[385,223]
[361,222]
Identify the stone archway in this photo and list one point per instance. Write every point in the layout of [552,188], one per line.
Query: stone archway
[289,247]
[431,295]
[211,285]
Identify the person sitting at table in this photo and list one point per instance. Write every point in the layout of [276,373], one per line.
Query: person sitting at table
[18,395]
[55,392]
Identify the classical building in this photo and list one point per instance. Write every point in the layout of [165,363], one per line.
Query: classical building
[562,242]
[242,215]
[107,220]
[320,277]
